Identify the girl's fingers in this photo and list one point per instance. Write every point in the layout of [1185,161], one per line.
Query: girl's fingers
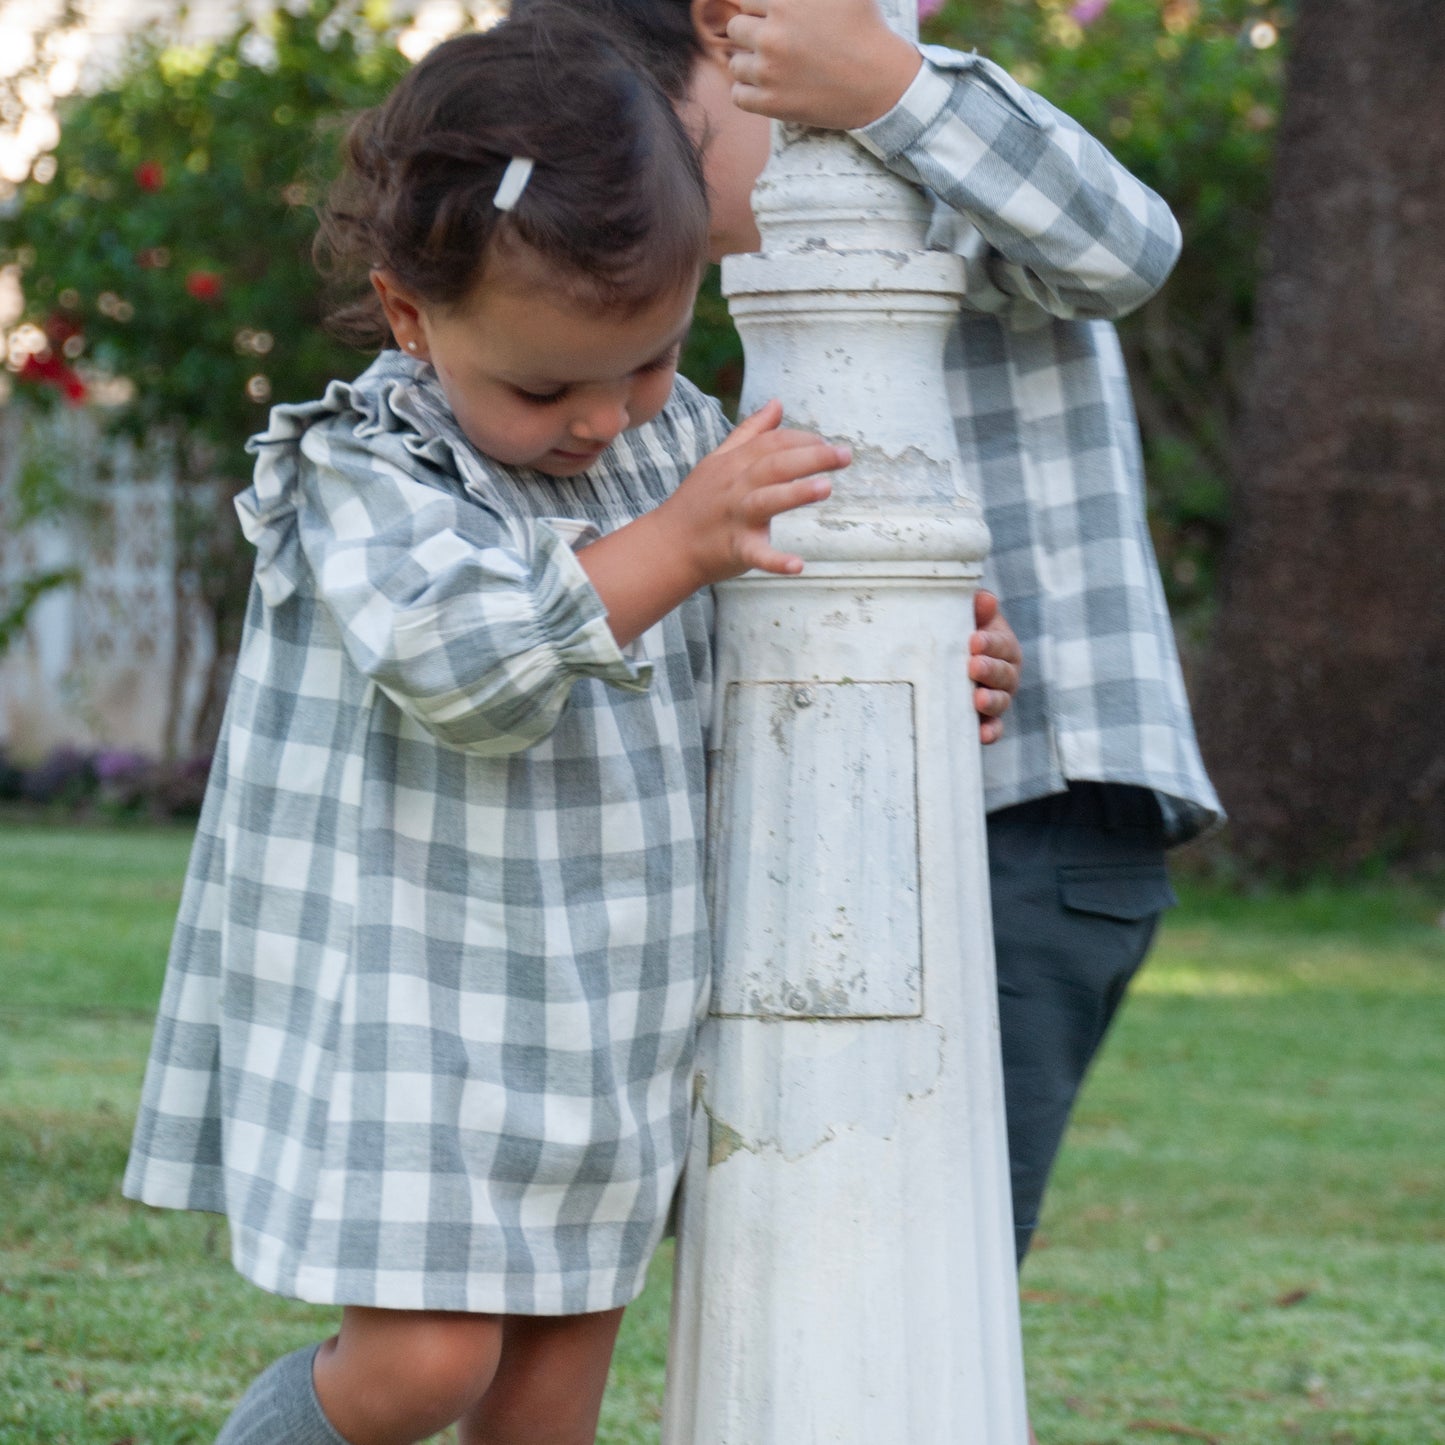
[769,502]
[764,420]
[763,558]
[805,456]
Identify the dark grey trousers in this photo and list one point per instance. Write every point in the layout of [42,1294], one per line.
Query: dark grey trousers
[1078,883]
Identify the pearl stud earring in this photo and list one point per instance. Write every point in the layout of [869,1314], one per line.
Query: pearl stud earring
[411,346]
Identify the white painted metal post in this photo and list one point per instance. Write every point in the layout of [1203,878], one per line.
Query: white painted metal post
[845,1261]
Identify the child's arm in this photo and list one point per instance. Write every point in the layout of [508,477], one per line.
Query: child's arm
[714,526]
[1067,229]
[474,624]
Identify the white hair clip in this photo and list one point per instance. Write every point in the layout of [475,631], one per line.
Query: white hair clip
[513,183]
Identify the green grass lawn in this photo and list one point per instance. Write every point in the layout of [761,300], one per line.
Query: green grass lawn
[1245,1241]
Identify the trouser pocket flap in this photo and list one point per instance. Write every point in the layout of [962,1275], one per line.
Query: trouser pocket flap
[1126,891]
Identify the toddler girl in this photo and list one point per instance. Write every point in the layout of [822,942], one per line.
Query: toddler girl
[428,1024]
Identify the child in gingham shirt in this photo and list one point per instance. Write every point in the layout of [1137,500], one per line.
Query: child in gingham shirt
[428,1025]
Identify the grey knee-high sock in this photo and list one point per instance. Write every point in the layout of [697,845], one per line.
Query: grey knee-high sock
[281,1407]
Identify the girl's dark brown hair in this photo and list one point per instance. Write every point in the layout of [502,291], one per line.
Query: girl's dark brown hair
[660,34]
[615,210]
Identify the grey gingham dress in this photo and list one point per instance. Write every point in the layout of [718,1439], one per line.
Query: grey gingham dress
[427,1030]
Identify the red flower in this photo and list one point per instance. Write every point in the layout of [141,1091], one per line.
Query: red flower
[59,328]
[204,285]
[150,175]
[47,369]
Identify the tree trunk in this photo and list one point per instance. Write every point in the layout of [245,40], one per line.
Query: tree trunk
[1323,707]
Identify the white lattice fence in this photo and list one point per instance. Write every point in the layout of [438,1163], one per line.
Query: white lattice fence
[119,658]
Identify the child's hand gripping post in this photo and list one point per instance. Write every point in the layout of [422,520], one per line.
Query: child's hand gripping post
[723,510]
[994,664]
[835,64]
[715,526]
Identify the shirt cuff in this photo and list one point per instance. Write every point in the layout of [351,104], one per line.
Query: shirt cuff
[918,108]
[934,90]
[570,614]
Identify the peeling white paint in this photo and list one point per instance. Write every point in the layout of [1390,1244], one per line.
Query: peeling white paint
[817,909]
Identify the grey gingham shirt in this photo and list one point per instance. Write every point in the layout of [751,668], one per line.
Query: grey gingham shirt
[428,1023]
[1058,239]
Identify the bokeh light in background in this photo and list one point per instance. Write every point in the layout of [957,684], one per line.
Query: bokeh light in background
[437,19]
[49,49]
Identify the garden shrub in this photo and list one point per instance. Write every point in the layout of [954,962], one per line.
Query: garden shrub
[77,783]
[164,250]
[165,246]
[1186,94]
[167,240]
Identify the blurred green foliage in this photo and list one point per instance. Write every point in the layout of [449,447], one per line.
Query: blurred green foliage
[169,241]
[1186,94]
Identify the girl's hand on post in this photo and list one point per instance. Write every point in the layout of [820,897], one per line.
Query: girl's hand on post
[715,526]
[835,64]
[723,509]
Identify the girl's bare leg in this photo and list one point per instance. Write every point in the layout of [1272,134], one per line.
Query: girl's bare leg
[393,1377]
[548,1387]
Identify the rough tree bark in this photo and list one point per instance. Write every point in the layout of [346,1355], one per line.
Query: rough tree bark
[1323,705]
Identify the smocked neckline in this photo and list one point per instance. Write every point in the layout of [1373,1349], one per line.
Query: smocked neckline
[400,396]
[397,405]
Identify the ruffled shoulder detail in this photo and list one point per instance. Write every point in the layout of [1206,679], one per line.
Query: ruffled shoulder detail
[396,413]
[394,403]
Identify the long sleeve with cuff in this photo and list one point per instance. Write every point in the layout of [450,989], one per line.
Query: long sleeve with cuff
[475,627]
[1058,239]
[1041,212]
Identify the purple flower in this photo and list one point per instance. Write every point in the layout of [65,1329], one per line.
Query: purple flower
[115,766]
[1088,11]
[929,7]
